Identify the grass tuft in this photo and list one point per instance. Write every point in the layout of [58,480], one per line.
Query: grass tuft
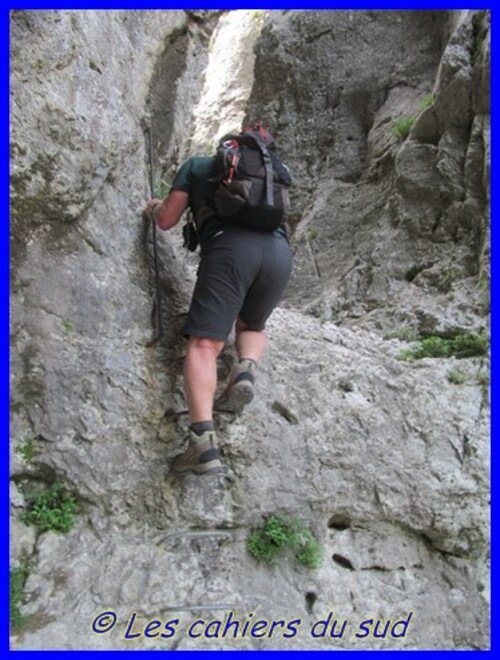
[402,126]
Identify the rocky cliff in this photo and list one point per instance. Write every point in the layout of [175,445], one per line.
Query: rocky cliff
[383,119]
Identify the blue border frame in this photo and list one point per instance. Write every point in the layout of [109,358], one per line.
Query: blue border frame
[227,4]
[4,327]
[494,636]
[4,261]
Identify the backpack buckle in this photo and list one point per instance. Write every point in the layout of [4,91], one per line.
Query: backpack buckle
[232,169]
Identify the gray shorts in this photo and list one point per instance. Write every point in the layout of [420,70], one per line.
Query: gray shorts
[243,274]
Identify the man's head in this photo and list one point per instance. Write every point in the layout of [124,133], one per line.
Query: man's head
[263,132]
[246,137]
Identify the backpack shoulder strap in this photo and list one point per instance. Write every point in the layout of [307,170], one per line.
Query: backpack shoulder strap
[254,135]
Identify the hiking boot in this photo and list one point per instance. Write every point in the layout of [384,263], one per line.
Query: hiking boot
[240,390]
[201,455]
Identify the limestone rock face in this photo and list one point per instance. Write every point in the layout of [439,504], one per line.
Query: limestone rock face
[407,221]
[385,460]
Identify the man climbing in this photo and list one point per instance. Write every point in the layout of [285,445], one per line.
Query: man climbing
[241,278]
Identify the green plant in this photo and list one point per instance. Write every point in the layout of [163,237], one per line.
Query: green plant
[278,531]
[456,377]
[267,544]
[460,346]
[469,345]
[260,547]
[51,509]
[18,577]
[312,233]
[402,126]
[26,449]
[310,554]
[68,326]
[426,102]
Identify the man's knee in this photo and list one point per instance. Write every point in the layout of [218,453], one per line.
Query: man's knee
[205,346]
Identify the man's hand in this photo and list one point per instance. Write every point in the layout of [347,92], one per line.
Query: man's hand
[169,210]
[150,206]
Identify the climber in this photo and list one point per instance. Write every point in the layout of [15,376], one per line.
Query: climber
[241,278]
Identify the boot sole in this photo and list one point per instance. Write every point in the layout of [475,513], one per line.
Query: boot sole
[203,468]
[238,397]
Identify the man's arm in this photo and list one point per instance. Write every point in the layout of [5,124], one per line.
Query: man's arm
[168,212]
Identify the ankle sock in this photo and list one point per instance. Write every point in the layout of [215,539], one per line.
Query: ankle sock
[245,369]
[199,428]
[246,364]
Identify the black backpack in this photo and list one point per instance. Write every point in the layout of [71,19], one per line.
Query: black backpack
[252,184]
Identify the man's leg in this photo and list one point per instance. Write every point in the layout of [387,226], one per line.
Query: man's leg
[200,377]
[249,343]
[250,346]
[260,300]
[200,383]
